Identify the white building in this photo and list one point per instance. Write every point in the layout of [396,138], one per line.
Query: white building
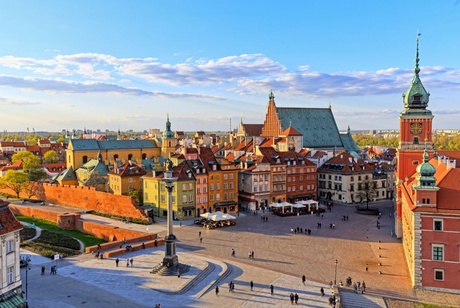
[10,277]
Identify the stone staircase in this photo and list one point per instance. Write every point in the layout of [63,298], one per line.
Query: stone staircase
[358,300]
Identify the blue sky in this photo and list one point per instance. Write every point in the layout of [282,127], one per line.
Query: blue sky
[126,64]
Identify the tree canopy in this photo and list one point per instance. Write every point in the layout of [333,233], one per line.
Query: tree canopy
[51,157]
[15,180]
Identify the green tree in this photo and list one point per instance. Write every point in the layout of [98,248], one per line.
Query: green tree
[61,139]
[367,190]
[136,195]
[51,157]
[14,180]
[31,164]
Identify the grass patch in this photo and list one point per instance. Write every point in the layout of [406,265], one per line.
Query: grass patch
[119,217]
[88,240]
[422,305]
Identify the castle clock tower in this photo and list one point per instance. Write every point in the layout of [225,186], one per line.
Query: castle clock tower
[415,134]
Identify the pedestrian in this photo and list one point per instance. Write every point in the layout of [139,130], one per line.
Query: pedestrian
[296,298]
[99,246]
[156,243]
[201,240]
[252,255]
[43,270]
[178,273]
[271,289]
[322,291]
[117,261]
[131,261]
[230,286]
[367,268]
[127,262]
[363,287]
[304,279]
[143,245]
[291,297]
[51,270]
[233,252]
[217,290]
[199,234]
[252,285]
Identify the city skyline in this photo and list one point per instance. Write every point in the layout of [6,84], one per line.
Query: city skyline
[114,66]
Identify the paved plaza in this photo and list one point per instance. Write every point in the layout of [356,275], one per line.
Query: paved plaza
[281,257]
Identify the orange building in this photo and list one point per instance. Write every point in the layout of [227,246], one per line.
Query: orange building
[126,178]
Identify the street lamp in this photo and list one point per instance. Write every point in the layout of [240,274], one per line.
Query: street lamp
[335,276]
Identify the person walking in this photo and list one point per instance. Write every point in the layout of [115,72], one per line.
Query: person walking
[233,252]
[291,297]
[251,285]
[131,261]
[322,291]
[304,279]
[217,290]
[199,233]
[252,255]
[117,261]
[271,289]
[127,262]
[296,298]
[201,240]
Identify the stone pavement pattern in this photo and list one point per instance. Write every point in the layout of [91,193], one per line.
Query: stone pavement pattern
[281,258]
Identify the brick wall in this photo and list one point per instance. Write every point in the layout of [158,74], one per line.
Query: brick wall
[73,221]
[88,198]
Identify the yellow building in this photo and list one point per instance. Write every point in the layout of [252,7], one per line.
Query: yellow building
[80,151]
[126,178]
[156,194]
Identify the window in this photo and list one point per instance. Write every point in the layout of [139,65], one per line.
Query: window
[231,176]
[198,200]
[211,197]
[205,199]
[231,185]
[184,186]
[204,190]
[190,186]
[225,176]
[217,186]
[9,246]
[217,196]
[130,180]
[198,190]
[211,186]
[190,198]
[438,274]
[225,186]
[10,275]
[225,196]
[437,224]
[162,198]
[231,195]
[438,252]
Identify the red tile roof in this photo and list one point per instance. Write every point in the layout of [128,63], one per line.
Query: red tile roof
[291,131]
[253,130]
[8,223]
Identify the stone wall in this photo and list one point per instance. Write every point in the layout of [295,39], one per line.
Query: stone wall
[88,198]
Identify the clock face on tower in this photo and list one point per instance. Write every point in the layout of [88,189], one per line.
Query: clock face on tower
[416,128]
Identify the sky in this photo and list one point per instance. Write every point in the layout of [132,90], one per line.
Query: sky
[210,64]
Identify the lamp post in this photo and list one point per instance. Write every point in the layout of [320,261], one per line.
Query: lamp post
[335,276]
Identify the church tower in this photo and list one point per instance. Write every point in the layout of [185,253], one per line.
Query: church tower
[415,126]
[169,141]
[272,124]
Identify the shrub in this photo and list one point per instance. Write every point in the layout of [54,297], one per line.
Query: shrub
[59,240]
[27,233]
